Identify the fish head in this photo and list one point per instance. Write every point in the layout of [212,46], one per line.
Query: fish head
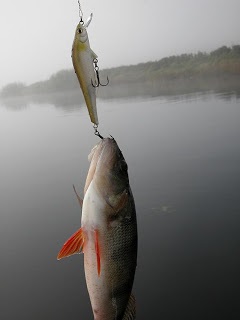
[108,168]
[81,33]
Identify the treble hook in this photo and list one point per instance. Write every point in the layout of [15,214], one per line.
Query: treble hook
[98,82]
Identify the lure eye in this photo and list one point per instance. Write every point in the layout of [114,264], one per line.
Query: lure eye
[80,31]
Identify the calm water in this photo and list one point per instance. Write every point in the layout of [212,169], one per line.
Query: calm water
[183,155]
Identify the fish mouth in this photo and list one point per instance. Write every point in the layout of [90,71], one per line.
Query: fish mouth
[108,153]
[105,153]
[97,150]
[102,159]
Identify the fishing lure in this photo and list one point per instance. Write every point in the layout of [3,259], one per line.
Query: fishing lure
[86,67]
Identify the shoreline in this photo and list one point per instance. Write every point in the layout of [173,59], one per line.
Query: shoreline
[148,89]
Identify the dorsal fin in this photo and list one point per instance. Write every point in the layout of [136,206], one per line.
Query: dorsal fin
[130,312]
[80,200]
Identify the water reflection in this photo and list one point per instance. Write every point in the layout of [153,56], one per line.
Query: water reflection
[16,103]
[61,100]
[72,100]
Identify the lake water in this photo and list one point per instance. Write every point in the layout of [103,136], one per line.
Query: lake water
[183,155]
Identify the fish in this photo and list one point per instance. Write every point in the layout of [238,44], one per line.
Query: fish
[82,59]
[108,234]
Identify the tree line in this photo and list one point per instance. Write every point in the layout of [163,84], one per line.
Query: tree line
[222,61]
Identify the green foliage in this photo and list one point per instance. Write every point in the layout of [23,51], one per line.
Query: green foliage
[220,52]
[236,50]
[222,61]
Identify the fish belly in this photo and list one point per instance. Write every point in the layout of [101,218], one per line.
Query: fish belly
[110,290]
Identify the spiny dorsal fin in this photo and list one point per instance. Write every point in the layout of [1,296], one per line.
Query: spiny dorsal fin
[130,312]
[80,200]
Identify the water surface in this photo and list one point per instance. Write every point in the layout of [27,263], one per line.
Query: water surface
[183,156]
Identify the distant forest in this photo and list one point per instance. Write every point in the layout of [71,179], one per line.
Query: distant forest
[218,64]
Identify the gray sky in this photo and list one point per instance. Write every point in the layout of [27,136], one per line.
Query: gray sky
[36,35]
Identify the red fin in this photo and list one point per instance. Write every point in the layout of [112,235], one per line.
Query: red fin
[97,249]
[80,200]
[73,245]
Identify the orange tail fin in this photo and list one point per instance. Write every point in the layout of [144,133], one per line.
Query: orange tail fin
[73,245]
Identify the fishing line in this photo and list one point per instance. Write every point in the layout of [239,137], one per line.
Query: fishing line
[80,12]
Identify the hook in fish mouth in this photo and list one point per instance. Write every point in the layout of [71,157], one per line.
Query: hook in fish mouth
[96,132]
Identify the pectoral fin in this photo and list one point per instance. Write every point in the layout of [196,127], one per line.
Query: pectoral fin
[122,201]
[73,245]
[117,202]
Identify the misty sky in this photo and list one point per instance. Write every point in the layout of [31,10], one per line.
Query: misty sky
[36,36]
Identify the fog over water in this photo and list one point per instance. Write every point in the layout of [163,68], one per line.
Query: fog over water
[36,36]
[183,156]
